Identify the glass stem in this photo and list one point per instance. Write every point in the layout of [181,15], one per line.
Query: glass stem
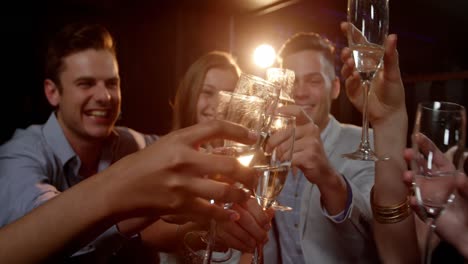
[365,121]
[211,241]
[428,247]
[258,255]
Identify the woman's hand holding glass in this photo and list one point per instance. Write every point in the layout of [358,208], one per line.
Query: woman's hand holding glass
[436,159]
[367,29]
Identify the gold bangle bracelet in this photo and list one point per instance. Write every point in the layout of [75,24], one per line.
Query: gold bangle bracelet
[390,214]
[392,219]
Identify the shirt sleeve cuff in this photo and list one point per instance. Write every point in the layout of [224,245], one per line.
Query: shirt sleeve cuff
[341,216]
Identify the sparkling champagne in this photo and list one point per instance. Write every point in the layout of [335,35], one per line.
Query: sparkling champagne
[270,183]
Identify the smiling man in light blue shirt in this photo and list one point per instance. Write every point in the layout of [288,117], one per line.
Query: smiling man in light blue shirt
[78,140]
[331,217]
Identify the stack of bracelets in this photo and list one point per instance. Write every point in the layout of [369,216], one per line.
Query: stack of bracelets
[390,214]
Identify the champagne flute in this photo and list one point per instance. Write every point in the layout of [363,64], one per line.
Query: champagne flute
[252,85]
[284,78]
[274,165]
[246,111]
[438,142]
[367,31]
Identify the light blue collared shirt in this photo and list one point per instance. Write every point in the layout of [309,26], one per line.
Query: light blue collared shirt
[287,223]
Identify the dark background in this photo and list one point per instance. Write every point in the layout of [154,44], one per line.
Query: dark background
[157,41]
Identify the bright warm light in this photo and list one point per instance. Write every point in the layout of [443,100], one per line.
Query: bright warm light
[264,55]
[278,123]
[245,160]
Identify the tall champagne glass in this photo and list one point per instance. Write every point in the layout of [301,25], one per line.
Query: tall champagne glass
[252,85]
[438,143]
[367,30]
[274,164]
[246,111]
[284,78]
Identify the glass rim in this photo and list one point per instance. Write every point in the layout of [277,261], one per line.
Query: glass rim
[257,79]
[441,106]
[252,98]
[282,116]
[280,69]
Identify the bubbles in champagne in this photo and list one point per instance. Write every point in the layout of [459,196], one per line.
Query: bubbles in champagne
[270,183]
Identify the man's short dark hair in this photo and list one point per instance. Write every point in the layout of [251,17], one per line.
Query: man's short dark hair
[75,38]
[308,41]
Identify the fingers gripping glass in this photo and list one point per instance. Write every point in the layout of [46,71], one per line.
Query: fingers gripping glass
[438,141]
[367,31]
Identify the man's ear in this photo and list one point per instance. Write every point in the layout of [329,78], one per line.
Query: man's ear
[51,92]
[335,92]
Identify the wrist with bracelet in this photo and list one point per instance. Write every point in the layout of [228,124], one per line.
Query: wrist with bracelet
[390,214]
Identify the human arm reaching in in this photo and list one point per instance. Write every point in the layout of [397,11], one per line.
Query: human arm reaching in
[452,224]
[165,178]
[389,120]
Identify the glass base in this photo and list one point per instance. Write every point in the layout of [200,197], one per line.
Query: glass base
[195,249]
[362,154]
[278,207]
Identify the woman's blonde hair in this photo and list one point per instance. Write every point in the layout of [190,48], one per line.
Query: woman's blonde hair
[188,92]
